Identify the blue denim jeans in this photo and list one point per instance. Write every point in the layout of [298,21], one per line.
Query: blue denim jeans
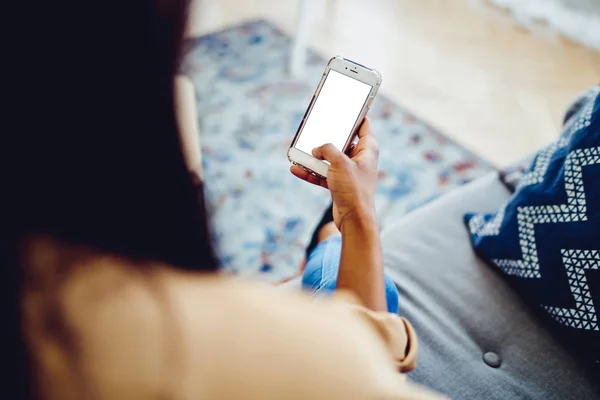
[321,272]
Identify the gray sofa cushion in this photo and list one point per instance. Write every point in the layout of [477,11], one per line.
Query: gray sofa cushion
[477,339]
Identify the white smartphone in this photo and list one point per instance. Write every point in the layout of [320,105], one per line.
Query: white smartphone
[338,107]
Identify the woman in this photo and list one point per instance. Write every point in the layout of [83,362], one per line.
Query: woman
[112,285]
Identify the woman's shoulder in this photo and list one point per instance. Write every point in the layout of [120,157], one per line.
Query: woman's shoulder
[87,317]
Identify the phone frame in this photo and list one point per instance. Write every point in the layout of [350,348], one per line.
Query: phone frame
[353,70]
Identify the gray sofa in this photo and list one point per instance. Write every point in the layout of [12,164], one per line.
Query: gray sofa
[477,339]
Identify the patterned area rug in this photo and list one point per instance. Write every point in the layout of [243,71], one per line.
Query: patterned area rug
[249,109]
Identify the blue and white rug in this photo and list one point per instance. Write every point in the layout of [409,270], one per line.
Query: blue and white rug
[249,109]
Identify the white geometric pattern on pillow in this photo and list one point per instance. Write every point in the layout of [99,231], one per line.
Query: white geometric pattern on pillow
[477,224]
[585,114]
[564,161]
[574,211]
[576,262]
[583,316]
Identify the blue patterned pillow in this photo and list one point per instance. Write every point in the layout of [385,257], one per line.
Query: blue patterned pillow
[546,237]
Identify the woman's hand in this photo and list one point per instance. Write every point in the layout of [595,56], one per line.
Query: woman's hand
[351,180]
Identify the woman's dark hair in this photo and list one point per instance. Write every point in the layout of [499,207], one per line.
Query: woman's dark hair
[97,158]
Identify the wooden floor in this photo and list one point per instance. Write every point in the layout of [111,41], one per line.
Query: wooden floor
[462,65]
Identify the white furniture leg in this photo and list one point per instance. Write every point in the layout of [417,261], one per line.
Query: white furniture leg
[201,13]
[298,55]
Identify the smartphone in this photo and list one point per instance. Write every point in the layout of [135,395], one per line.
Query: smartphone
[338,107]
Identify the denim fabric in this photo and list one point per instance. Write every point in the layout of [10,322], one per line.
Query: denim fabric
[322,266]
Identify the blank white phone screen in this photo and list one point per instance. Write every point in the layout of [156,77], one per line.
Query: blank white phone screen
[334,113]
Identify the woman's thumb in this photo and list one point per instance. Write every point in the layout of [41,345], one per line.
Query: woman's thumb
[328,152]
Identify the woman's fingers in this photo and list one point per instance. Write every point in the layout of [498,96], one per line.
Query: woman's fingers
[366,140]
[366,147]
[308,177]
[329,152]
[372,145]
[353,150]
[365,128]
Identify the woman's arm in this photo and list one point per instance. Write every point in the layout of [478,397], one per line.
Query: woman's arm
[361,262]
[352,182]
